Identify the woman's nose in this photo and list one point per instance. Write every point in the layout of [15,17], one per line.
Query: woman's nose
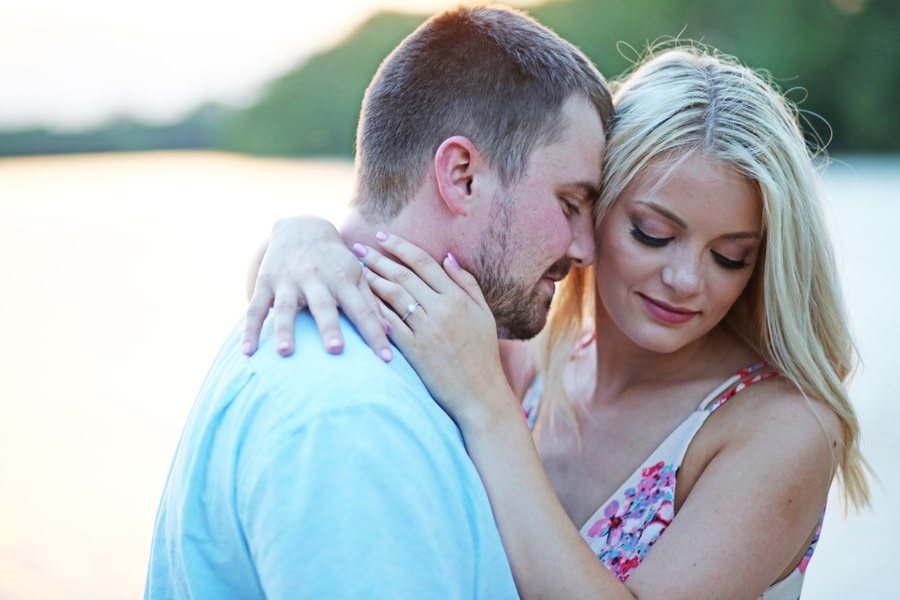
[683,276]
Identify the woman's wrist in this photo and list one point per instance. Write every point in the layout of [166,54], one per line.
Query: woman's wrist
[494,410]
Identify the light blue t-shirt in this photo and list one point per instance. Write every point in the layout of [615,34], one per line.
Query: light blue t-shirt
[322,476]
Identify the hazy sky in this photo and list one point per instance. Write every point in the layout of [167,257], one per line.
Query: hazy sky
[74,63]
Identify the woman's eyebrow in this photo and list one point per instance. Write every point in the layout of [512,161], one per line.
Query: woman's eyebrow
[664,212]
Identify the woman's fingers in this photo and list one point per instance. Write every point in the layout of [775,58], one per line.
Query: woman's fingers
[449,293]
[307,265]
[287,303]
[291,280]
[418,261]
[409,333]
[324,310]
[361,306]
[397,273]
[260,302]
[464,280]
[395,297]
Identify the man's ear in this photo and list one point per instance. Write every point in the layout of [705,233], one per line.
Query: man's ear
[460,171]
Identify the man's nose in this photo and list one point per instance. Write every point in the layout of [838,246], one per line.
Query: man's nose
[581,249]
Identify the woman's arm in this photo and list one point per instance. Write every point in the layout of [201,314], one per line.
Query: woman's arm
[306,264]
[747,516]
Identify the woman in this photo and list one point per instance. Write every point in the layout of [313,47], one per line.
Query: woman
[691,384]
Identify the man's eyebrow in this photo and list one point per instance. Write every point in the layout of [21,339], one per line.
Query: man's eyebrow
[737,235]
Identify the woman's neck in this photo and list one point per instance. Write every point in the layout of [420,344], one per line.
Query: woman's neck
[623,365]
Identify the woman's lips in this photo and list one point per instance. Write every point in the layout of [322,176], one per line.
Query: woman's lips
[667,312]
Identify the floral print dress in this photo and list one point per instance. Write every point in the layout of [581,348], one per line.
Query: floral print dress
[623,530]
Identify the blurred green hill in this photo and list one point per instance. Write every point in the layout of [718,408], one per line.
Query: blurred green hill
[840,59]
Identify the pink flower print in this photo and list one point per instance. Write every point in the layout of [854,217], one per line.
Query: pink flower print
[669,481]
[631,524]
[651,533]
[665,513]
[804,562]
[614,524]
[646,486]
[658,524]
[610,525]
[624,568]
[653,471]
[650,482]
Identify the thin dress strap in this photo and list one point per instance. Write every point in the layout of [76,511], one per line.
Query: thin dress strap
[734,384]
[531,403]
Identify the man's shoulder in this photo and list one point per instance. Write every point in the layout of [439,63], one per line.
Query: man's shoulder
[351,407]
[344,453]
[311,364]
[324,382]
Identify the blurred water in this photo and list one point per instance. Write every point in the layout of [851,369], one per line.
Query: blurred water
[857,557]
[121,274]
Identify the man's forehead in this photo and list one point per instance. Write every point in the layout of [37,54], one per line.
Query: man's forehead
[583,147]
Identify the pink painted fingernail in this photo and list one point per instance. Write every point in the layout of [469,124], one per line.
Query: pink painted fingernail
[452,260]
[359,250]
[381,236]
[334,345]
[386,354]
[283,346]
[246,348]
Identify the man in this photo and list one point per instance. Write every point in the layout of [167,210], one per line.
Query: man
[322,476]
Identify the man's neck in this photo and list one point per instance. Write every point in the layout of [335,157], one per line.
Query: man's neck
[418,229]
[358,228]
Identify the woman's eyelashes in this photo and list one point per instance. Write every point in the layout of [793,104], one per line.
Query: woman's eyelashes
[728,263]
[658,242]
[648,240]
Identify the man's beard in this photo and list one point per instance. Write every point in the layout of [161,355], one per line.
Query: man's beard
[519,308]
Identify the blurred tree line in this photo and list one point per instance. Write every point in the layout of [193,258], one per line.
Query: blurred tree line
[839,60]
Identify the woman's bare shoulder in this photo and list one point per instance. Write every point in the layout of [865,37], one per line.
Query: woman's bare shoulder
[750,491]
[776,411]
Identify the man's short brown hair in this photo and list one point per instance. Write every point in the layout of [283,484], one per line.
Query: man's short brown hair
[489,73]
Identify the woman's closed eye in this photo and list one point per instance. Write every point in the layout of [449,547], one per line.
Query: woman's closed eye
[648,240]
[729,263]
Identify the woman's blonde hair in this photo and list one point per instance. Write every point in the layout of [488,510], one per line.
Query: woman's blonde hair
[687,100]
